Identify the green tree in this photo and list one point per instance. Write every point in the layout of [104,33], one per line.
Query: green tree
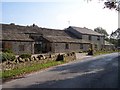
[116,34]
[115,37]
[111,4]
[102,31]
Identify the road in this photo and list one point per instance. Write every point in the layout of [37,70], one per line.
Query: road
[91,72]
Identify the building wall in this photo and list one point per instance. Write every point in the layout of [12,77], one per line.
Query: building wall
[20,47]
[94,40]
[0,46]
[109,47]
[86,47]
[73,47]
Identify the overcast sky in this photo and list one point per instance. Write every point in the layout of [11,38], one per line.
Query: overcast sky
[59,14]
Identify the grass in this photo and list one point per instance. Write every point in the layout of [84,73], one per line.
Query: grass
[103,52]
[8,74]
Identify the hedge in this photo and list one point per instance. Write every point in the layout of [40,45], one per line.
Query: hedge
[7,56]
[23,56]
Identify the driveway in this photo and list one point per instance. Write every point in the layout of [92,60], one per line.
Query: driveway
[90,72]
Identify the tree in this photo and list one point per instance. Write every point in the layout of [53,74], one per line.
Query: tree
[115,37]
[102,31]
[116,34]
[111,4]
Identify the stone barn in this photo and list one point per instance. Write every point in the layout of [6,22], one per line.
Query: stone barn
[36,40]
[61,44]
[18,43]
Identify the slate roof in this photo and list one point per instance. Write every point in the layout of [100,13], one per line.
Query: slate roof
[29,30]
[64,39]
[15,37]
[17,32]
[85,30]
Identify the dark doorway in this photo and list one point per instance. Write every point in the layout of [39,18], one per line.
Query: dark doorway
[37,48]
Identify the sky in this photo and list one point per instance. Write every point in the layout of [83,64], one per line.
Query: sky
[59,14]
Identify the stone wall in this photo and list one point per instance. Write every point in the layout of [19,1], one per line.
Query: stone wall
[61,47]
[39,58]
[15,47]
[94,40]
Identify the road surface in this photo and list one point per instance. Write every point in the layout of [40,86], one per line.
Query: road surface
[91,72]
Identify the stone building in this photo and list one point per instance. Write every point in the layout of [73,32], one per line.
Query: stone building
[96,39]
[18,43]
[109,46]
[35,40]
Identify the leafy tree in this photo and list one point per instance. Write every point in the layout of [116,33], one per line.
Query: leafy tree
[116,34]
[102,31]
[115,37]
[111,4]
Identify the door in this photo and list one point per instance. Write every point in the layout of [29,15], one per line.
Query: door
[37,48]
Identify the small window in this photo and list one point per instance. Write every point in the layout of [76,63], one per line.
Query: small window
[56,44]
[50,48]
[6,45]
[81,46]
[66,46]
[21,47]
[80,36]
[98,38]
[89,37]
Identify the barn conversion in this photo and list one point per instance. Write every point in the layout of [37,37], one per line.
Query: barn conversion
[35,40]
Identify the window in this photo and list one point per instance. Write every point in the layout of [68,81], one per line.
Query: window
[6,45]
[95,45]
[56,44]
[81,46]
[89,37]
[21,47]
[98,37]
[80,36]
[50,48]
[66,46]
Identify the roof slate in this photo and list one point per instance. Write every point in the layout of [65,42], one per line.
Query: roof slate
[64,39]
[15,36]
[16,32]
[85,31]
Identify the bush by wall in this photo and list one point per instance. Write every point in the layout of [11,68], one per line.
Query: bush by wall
[7,51]
[24,56]
[7,56]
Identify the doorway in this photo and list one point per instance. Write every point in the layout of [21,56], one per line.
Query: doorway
[37,48]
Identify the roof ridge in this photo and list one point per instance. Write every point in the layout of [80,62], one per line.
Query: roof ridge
[85,30]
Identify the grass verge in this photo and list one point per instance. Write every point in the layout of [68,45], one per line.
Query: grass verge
[104,52]
[10,74]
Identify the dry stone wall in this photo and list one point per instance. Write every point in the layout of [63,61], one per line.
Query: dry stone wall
[41,59]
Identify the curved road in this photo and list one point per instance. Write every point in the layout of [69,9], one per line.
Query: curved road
[90,72]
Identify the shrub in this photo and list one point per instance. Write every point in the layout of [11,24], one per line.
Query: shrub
[7,56]
[24,56]
[7,51]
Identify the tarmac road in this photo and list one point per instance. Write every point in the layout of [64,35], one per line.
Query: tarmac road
[91,72]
